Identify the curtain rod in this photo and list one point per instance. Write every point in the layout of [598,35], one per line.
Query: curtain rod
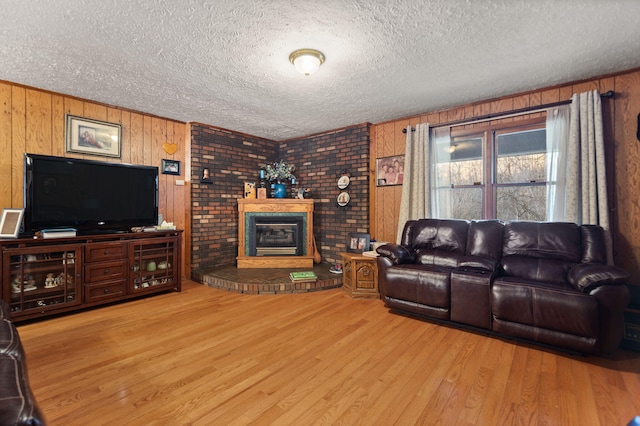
[609,94]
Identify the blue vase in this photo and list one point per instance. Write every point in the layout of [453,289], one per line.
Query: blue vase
[280,190]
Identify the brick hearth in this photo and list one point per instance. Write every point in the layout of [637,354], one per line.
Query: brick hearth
[265,281]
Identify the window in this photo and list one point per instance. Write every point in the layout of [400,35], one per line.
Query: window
[496,172]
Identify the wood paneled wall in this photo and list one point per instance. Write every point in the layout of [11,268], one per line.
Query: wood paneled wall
[620,116]
[33,121]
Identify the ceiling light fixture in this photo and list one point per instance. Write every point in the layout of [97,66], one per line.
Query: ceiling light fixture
[306,61]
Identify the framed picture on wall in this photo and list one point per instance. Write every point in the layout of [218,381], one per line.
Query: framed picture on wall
[170,167]
[390,170]
[86,136]
[357,242]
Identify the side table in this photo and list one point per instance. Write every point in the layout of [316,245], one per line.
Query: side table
[360,276]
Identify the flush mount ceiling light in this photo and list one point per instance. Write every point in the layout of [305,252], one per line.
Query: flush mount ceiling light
[306,61]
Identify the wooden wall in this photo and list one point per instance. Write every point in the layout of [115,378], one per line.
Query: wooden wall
[33,121]
[623,160]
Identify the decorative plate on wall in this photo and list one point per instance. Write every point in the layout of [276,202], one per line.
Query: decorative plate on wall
[343,182]
[343,199]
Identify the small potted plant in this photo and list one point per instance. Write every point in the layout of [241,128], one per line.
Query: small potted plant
[279,172]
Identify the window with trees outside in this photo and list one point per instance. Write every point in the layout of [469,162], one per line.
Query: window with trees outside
[497,172]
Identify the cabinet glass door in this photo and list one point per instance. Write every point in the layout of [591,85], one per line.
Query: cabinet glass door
[43,278]
[153,265]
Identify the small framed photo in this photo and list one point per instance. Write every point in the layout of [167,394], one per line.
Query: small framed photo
[86,136]
[170,167]
[390,170]
[205,177]
[11,222]
[357,242]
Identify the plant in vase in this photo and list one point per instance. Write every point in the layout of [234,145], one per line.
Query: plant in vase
[279,172]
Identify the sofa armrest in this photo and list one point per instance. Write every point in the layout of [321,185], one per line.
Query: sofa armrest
[396,253]
[587,276]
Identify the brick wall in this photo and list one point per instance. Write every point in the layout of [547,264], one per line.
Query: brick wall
[320,161]
[235,158]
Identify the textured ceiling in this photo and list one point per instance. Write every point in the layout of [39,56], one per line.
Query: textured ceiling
[225,62]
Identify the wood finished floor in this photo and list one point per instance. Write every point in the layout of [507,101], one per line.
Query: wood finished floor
[211,357]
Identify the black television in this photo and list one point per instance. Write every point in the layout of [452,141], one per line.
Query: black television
[91,196]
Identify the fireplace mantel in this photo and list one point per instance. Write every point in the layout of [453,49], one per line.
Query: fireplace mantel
[271,206]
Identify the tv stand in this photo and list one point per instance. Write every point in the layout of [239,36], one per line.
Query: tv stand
[44,277]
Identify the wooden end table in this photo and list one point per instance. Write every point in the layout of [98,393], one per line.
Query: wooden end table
[360,276]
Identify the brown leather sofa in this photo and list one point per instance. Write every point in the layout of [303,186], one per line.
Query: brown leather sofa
[545,282]
[17,403]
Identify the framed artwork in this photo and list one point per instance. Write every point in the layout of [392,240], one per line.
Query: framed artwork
[390,170]
[86,136]
[170,167]
[357,242]
[205,177]
[11,222]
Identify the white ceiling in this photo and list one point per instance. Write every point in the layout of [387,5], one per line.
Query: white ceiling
[225,62]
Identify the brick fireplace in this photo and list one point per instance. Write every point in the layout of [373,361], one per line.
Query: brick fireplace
[275,233]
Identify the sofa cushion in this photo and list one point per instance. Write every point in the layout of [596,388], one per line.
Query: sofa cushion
[543,240]
[536,269]
[440,234]
[437,257]
[545,306]
[4,309]
[17,402]
[593,244]
[9,340]
[425,285]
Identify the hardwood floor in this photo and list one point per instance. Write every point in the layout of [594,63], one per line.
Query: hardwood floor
[210,357]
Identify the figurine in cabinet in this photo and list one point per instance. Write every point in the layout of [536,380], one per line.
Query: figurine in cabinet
[16,284]
[50,282]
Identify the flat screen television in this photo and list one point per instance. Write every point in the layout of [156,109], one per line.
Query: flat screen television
[90,196]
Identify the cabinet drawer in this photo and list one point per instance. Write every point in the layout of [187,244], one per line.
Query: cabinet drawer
[105,291]
[104,251]
[103,271]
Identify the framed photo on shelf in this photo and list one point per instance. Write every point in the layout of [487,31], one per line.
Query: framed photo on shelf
[86,136]
[357,242]
[205,177]
[390,170]
[11,222]
[170,167]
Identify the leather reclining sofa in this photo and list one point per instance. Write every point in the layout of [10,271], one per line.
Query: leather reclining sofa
[17,403]
[544,282]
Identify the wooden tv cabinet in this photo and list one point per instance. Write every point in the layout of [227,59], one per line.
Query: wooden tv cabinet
[42,277]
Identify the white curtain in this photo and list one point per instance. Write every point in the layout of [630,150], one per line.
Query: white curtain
[441,175]
[585,198]
[414,203]
[557,141]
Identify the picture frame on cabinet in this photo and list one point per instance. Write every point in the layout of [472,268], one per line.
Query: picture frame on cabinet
[11,222]
[358,242]
[95,137]
[170,167]
[390,170]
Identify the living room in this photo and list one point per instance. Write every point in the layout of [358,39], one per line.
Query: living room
[33,120]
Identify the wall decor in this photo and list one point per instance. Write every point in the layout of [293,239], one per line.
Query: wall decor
[343,199]
[357,242]
[205,177]
[343,182]
[11,222]
[170,167]
[390,170]
[170,148]
[87,136]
